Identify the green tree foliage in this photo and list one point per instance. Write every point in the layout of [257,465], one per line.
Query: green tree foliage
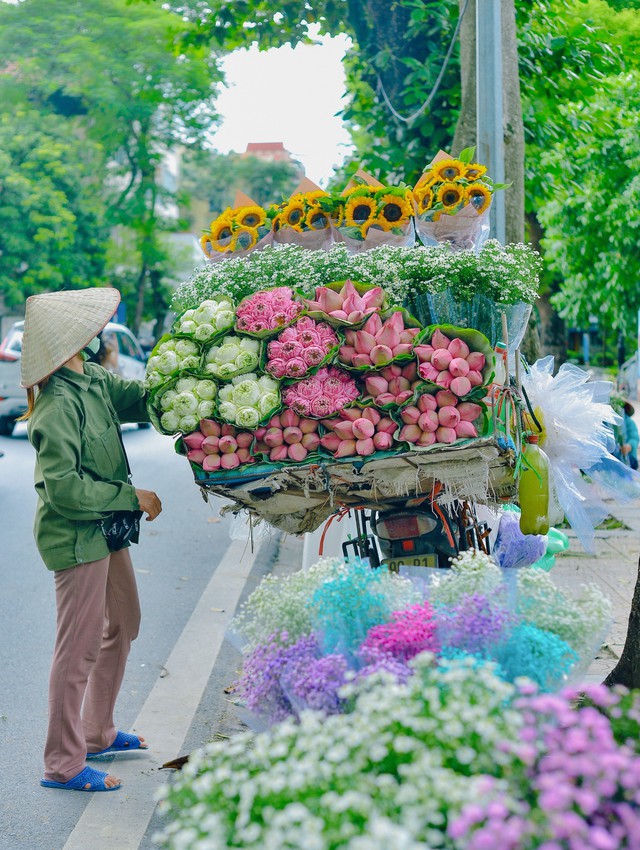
[53,233]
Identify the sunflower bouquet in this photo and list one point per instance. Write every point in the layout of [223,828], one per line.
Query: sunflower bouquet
[236,232]
[304,219]
[367,216]
[452,199]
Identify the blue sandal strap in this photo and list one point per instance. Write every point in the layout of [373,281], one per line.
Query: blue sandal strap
[123,743]
[88,776]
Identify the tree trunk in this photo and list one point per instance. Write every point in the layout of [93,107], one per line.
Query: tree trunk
[552,329]
[627,670]
[465,135]
[140,292]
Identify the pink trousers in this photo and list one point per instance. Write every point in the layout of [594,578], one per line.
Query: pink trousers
[98,617]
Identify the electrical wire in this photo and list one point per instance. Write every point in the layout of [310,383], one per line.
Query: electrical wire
[436,85]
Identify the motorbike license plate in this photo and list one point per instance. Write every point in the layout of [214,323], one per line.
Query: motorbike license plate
[394,565]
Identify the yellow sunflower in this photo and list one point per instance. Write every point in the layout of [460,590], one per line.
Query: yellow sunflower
[276,222]
[293,214]
[208,246]
[473,171]
[360,210]
[310,198]
[448,169]
[337,215]
[424,198]
[317,219]
[450,195]
[250,216]
[396,210]
[478,196]
[221,232]
[244,238]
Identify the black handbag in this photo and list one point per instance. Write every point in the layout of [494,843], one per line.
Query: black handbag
[120,528]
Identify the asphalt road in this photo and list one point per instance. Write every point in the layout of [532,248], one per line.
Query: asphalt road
[191,575]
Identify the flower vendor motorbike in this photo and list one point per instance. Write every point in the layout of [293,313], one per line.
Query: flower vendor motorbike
[417,533]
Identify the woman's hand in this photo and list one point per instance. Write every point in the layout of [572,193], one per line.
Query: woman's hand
[149,503]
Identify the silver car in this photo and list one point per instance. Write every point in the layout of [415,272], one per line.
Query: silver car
[122,355]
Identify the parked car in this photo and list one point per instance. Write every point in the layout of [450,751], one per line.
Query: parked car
[124,357]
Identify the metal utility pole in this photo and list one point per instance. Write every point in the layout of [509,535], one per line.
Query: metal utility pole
[489,94]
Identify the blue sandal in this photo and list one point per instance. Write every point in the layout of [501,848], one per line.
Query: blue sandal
[122,744]
[89,776]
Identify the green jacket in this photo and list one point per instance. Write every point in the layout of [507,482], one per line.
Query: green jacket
[81,471]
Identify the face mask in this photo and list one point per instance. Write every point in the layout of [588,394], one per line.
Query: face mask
[91,349]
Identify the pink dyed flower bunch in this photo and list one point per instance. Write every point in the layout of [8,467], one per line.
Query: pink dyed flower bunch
[394,384]
[347,304]
[299,348]
[215,447]
[407,634]
[267,310]
[378,342]
[439,418]
[358,431]
[320,395]
[288,437]
[450,364]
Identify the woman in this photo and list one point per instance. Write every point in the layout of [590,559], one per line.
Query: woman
[81,478]
[629,447]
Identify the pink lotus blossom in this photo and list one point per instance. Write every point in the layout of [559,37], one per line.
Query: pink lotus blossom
[267,310]
[321,394]
[301,346]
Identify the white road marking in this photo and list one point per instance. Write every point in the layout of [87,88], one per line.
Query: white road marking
[120,819]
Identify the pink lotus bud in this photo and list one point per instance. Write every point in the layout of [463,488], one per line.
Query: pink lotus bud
[360,360]
[466,429]
[461,386]
[289,419]
[410,433]
[459,367]
[380,355]
[365,447]
[245,456]
[350,337]
[373,324]
[363,429]
[429,421]
[441,359]
[445,398]
[404,396]
[260,432]
[351,413]
[439,340]
[407,335]
[469,411]
[391,371]
[210,445]
[373,298]
[448,416]
[446,435]
[458,348]
[274,422]
[329,299]
[228,431]
[230,460]
[308,426]
[476,361]
[444,379]
[344,430]
[347,448]
[210,428]
[346,353]
[211,463]
[385,398]
[386,426]
[398,385]
[427,402]
[424,353]
[330,442]
[227,445]
[292,435]
[364,342]
[388,336]
[339,314]
[274,437]
[382,441]
[279,453]
[428,371]
[410,371]
[193,441]
[427,438]
[396,321]
[196,456]
[402,349]
[244,440]
[310,442]
[297,452]
[371,414]
[355,317]
[475,378]
[375,385]
[410,415]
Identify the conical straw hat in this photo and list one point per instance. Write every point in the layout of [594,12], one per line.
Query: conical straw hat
[58,325]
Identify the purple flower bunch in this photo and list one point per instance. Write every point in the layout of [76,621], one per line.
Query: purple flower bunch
[267,310]
[476,624]
[299,348]
[581,786]
[314,683]
[408,633]
[322,394]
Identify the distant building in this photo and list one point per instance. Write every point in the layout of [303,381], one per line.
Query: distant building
[268,151]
